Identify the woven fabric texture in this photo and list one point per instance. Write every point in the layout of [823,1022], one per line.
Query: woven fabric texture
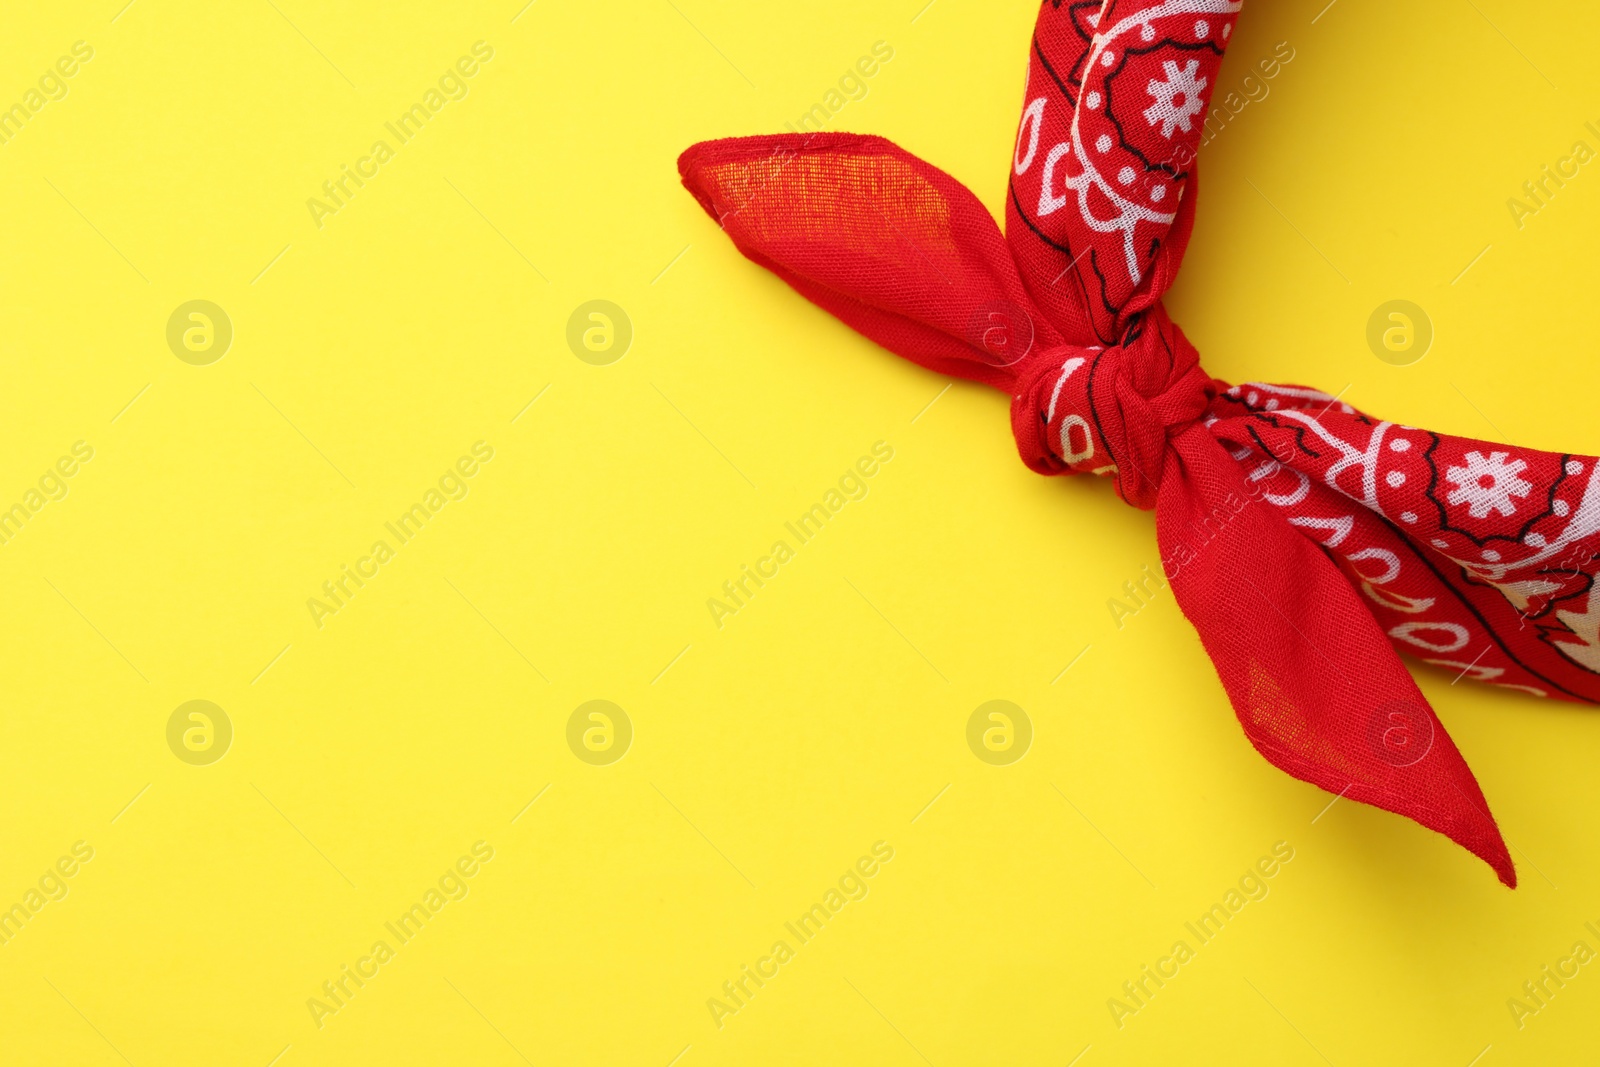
[1306,541]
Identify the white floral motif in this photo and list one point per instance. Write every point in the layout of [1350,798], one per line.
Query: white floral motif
[1487,484]
[1178,99]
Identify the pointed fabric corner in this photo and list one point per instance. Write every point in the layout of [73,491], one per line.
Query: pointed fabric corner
[889,244]
[1314,681]
[1307,542]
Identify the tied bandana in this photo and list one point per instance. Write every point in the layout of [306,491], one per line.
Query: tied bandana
[1305,540]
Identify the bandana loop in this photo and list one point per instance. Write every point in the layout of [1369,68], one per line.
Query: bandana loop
[1306,541]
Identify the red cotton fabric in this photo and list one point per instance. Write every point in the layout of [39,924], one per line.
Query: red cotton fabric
[1305,540]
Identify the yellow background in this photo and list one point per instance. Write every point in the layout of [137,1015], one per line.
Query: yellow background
[771,753]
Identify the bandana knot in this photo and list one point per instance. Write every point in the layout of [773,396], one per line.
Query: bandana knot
[1305,540]
[1111,410]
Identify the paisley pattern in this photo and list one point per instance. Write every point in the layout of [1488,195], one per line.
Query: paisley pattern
[1475,557]
[1306,541]
[1105,153]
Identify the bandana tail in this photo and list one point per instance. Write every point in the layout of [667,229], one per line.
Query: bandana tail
[1317,687]
[909,257]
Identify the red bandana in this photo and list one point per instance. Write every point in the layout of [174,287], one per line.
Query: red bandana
[1304,540]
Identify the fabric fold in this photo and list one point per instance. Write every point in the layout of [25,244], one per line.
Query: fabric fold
[1307,542]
